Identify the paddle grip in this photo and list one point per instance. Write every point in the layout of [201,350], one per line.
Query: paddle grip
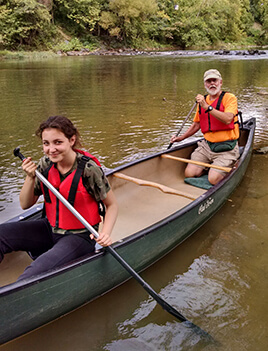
[17,153]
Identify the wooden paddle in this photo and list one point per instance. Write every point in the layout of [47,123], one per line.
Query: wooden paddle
[111,250]
[186,160]
[161,187]
[186,119]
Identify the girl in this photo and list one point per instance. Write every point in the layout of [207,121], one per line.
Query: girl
[60,237]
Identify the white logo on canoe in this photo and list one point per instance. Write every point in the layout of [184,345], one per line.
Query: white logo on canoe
[205,205]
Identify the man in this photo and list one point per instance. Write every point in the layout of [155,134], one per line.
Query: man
[217,116]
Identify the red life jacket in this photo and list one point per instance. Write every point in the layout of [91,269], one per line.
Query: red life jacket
[71,188]
[208,123]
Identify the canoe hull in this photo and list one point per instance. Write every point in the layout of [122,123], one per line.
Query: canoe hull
[29,304]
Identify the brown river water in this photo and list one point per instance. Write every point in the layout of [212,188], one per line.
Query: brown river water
[126,108]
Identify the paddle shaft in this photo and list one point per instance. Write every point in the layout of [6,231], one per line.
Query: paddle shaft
[186,160]
[186,119]
[111,250]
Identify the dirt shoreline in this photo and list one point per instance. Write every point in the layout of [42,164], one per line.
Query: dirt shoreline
[131,52]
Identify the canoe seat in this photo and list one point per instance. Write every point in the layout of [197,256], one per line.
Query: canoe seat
[200,182]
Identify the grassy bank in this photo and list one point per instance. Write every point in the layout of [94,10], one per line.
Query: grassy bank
[26,55]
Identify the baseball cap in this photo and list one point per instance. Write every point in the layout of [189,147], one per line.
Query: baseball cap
[212,73]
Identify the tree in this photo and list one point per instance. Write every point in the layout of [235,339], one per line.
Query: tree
[79,16]
[127,20]
[135,23]
[205,22]
[24,23]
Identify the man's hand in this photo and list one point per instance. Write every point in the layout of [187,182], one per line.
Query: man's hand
[175,138]
[200,99]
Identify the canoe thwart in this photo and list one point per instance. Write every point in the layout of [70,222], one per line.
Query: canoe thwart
[203,164]
[161,187]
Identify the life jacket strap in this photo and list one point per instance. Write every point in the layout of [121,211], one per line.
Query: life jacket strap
[79,171]
[220,100]
[46,192]
[239,114]
[218,103]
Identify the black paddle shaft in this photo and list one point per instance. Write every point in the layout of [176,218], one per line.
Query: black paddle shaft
[146,286]
[183,123]
[111,250]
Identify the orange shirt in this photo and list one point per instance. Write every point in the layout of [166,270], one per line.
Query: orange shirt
[229,102]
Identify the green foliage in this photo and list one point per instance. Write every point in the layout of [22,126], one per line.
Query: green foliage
[264,19]
[72,45]
[75,45]
[203,23]
[259,31]
[78,15]
[24,23]
[259,10]
[39,24]
[128,20]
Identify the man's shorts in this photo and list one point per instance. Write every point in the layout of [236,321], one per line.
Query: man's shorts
[204,154]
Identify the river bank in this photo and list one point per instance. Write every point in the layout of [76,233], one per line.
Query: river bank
[21,55]
[135,52]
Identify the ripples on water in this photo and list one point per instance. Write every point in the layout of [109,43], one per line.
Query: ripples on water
[208,289]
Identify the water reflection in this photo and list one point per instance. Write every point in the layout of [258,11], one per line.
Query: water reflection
[171,336]
[125,107]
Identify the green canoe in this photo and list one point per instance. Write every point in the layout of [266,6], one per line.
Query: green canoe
[157,211]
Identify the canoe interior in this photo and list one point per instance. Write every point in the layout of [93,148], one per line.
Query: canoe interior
[139,206]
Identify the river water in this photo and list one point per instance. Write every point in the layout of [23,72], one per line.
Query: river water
[125,108]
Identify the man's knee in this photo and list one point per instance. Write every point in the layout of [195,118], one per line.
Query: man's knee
[193,171]
[214,177]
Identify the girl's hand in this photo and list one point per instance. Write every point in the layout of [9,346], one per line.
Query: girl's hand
[27,196]
[110,203]
[103,239]
[29,167]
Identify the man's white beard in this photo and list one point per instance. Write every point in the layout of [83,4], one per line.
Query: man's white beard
[213,91]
